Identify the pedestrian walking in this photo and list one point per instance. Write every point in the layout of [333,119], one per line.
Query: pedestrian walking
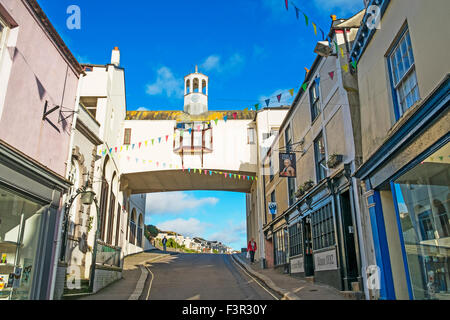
[251,248]
[164,242]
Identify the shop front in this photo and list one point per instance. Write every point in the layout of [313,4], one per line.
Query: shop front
[422,202]
[322,242]
[29,206]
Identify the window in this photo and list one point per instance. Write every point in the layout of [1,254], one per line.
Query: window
[323,228]
[295,239]
[288,139]
[2,36]
[314,100]
[279,245]
[403,74]
[319,151]
[273,197]
[291,191]
[271,168]
[20,239]
[127,137]
[422,199]
[251,138]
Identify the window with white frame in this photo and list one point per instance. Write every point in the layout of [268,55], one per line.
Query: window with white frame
[251,136]
[2,36]
[403,74]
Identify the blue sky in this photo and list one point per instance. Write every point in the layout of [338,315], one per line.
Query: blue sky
[250,49]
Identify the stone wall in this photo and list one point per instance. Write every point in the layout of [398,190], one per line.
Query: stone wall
[106,276]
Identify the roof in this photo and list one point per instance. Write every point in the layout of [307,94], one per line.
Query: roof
[182,116]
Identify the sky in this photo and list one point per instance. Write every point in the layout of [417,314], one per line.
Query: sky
[250,49]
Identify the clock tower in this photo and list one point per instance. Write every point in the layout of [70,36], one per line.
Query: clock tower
[196,87]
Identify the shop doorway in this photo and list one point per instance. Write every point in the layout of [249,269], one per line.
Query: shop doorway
[349,242]
[307,238]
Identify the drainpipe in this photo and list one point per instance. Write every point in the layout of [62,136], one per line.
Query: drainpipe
[65,196]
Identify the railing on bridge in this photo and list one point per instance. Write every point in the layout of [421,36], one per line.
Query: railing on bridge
[108,255]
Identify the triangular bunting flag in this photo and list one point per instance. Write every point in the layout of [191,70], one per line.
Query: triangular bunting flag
[297,11]
[216,121]
[267,102]
[305,86]
[225,118]
[279,98]
[140,144]
[342,52]
[153,141]
[315,28]
[235,115]
[331,75]
[354,64]
[291,92]
[306,19]
[345,67]
[167,138]
[286,1]
[159,139]
[323,33]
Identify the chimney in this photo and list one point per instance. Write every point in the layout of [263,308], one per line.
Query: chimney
[115,57]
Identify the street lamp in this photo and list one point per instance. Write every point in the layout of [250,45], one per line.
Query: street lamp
[88,197]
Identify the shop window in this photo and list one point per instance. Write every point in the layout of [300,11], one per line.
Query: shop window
[323,228]
[422,197]
[20,222]
[403,75]
[295,240]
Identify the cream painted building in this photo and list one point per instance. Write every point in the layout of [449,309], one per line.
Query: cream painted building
[403,79]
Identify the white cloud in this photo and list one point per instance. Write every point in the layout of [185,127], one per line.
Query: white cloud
[83,59]
[233,234]
[142,109]
[286,98]
[175,202]
[187,227]
[211,63]
[214,63]
[166,83]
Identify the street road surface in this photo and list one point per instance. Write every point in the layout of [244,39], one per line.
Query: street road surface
[202,277]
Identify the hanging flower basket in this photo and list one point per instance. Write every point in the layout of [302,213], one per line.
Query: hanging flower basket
[334,160]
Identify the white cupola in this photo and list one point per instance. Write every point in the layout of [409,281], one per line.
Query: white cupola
[196,87]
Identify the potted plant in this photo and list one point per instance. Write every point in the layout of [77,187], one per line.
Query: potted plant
[334,160]
[300,192]
[308,185]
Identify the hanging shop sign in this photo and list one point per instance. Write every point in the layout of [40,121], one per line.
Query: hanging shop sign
[288,165]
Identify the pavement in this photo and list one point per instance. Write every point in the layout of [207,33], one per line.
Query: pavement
[289,287]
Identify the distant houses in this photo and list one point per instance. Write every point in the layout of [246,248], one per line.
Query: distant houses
[196,244]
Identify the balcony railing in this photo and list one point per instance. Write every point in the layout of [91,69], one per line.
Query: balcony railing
[193,138]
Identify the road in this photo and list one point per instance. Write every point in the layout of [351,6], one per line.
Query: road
[201,277]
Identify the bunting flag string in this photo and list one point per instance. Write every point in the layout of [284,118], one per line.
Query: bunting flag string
[195,170]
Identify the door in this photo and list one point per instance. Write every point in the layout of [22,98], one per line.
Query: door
[307,240]
[349,241]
